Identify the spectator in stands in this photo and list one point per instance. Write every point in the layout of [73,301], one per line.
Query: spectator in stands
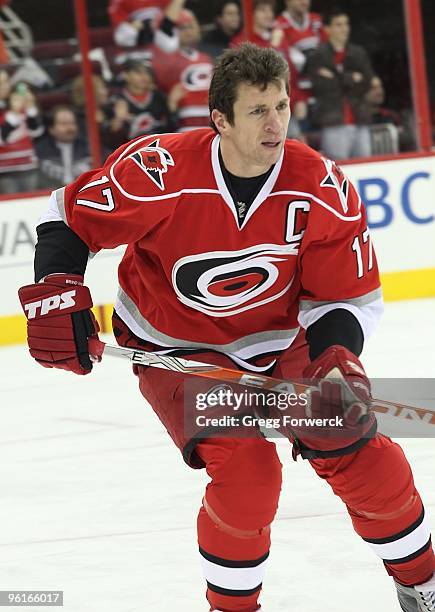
[140,108]
[144,22]
[264,36]
[300,32]
[63,153]
[263,20]
[387,134]
[20,124]
[186,76]
[101,93]
[375,98]
[227,24]
[103,112]
[341,74]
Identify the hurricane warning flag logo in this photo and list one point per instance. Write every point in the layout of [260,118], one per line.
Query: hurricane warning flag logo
[154,161]
[336,180]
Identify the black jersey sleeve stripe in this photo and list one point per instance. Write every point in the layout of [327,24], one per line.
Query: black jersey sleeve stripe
[400,534]
[59,249]
[230,563]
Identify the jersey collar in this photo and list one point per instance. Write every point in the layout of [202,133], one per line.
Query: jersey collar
[223,189]
[295,24]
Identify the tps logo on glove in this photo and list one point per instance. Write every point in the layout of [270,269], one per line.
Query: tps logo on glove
[60,301]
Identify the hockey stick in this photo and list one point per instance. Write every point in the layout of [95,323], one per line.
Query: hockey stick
[247,379]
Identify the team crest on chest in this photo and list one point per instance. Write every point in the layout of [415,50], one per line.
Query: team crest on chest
[225,283]
[153,160]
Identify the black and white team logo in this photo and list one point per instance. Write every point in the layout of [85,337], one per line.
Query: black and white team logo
[153,160]
[225,283]
[197,77]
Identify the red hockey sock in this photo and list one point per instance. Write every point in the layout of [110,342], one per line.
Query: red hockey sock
[233,524]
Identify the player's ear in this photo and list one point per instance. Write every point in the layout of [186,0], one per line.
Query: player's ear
[220,120]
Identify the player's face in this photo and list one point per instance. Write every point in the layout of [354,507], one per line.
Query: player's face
[255,140]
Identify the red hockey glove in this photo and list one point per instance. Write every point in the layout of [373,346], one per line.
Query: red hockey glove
[59,322]
[343,389]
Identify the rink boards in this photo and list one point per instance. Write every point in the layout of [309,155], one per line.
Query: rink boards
[398,194]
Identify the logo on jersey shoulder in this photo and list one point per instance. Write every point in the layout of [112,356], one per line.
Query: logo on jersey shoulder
[335,179]
[154,161]
[224,283]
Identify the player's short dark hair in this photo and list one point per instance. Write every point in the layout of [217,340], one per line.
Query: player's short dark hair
[249,64]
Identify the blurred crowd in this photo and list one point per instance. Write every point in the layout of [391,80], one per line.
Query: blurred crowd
[152,70]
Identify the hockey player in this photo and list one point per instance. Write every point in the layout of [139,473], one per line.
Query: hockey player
[248,250]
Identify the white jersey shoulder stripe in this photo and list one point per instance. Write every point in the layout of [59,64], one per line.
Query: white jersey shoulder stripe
[367,309]
[311,196]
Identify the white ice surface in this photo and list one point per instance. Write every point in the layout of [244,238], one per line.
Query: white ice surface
[96,501]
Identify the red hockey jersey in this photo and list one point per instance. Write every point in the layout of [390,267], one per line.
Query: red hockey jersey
[299,41]
[130,10]
[192,277]
[194,71]
[305,37]
[17,152]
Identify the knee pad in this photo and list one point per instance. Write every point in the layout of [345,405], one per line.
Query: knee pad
[375,483]
[246,483]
